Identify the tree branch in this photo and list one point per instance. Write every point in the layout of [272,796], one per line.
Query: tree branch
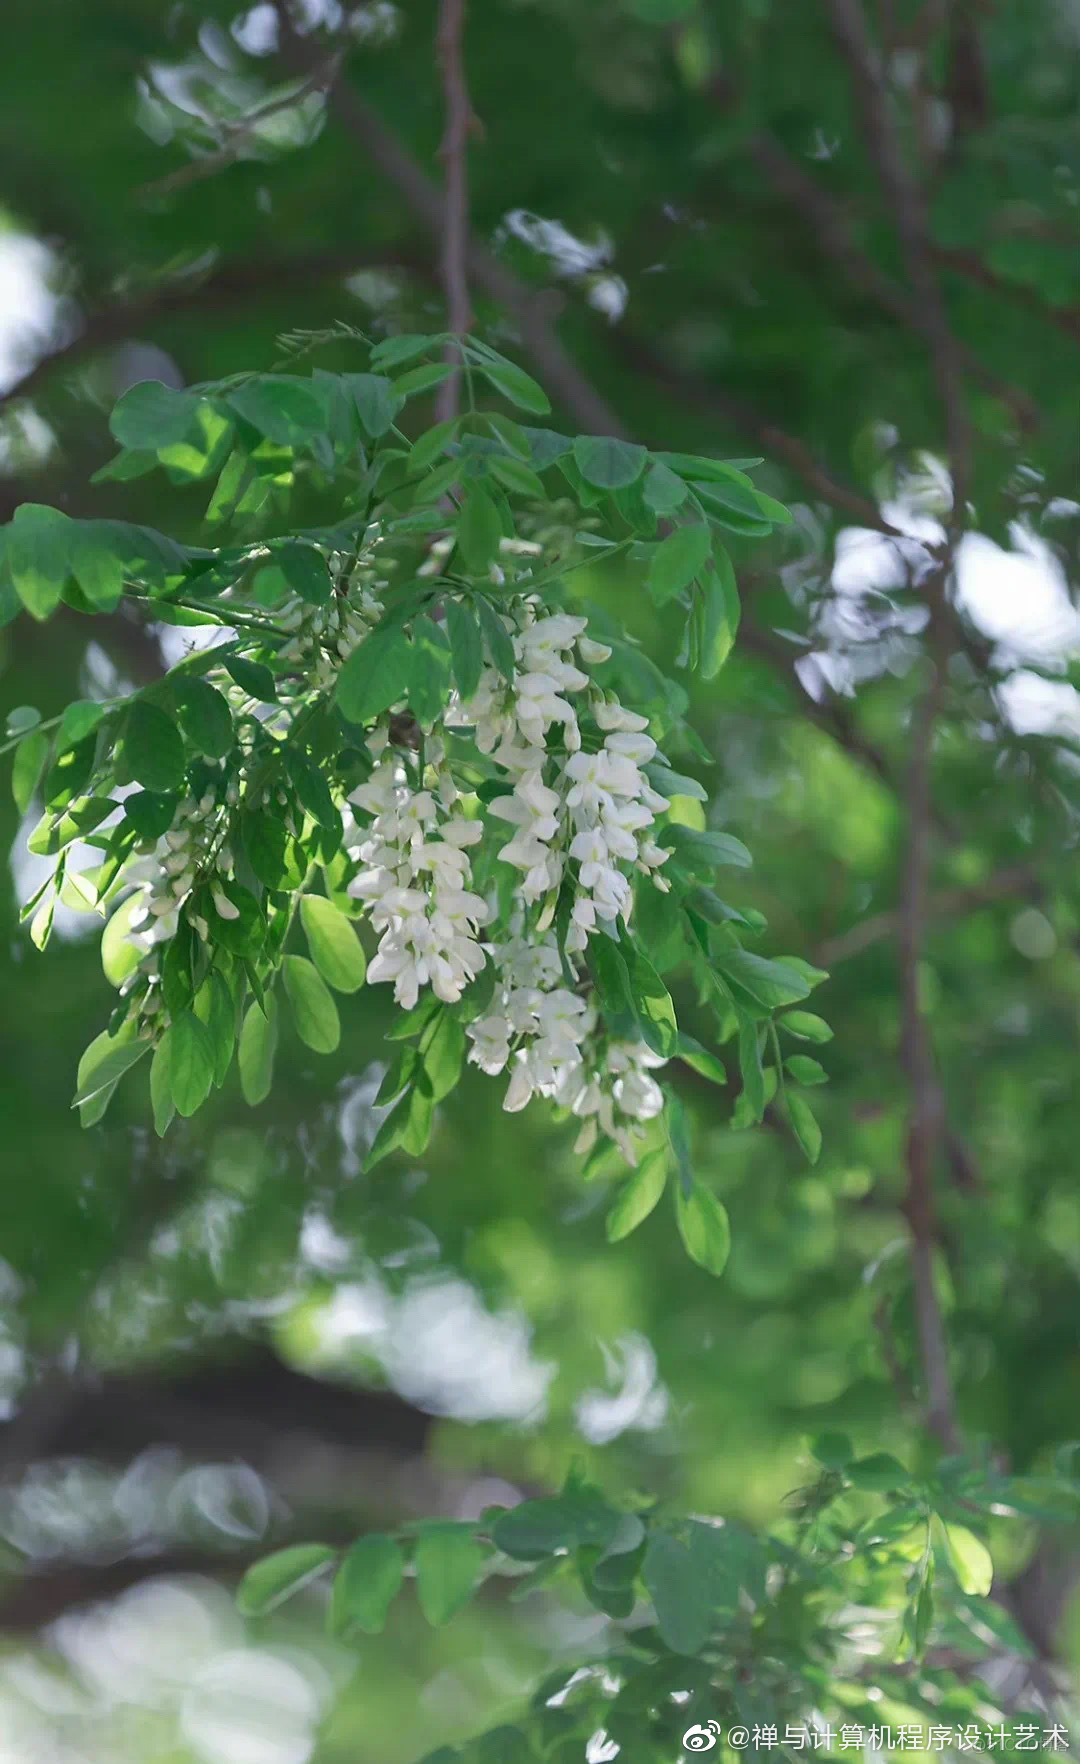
[909,211]
[833,233]
[947,903]
[422,196]
[454,154]
[231,283]
[236,133]
[965,263]
[644,359]
[926,1121]
[830,716]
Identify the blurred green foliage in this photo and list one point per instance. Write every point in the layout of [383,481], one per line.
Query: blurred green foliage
[635,162]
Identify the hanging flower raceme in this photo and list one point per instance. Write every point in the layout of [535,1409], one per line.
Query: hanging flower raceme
[410,760]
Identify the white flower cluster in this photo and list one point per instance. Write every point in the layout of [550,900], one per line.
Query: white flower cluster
[191,849]
[580,808]
[545,1031]
[416,879]
[579,805]
[324,636]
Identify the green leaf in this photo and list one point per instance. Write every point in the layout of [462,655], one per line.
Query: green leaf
[276,1578]
[38,542]
[676,562]
[637,1197]
[730,492]
[606,463]
[149,813]
[546,446]
[79,720]
[22,719]
[395,351]
[265,841]
[679,1141]
[774,511]
[161,1097]
[653,1006]
[804,1070]
[769,983]
[611,978]
[377,401]
[670,783]
[287,409]
[424,378]
[204,717]
[803,1124]
[499,645]
[375,677]
[750,1068]
[720,615]
[184,1062]
[880,1471]
[442,1049]
[215,1008]
[153,748]
[252,677]
[427,448]
[313,1008]
[305,571]
[703,1227]
[569,1521]
[516,476]
[129,464]
[335,948]
[97,566]
[411,1023]
[449,1563]
[700,1060]
[466,646]
[703,852]
[805,1025]
[151,415]
[367,1583]
[834,1450]
[924,1610]
[479,530]
[104,1063]
[27,765]
[429,672]
[663,490]
[691,1575]
[516,386]
[258,1041]
[971,1561]
[312,790]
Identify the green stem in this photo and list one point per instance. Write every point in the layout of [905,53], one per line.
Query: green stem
[24,734]
[234,618]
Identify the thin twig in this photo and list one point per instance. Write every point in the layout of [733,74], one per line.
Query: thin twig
[926,1121]
[423,197]
[229,283]
[947,903]
[454,155]
[898,1377]
[965,263]
[833,233]
[640,354]
[912,226]
[238,132]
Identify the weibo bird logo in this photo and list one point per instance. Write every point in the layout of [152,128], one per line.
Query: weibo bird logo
[701,1739]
